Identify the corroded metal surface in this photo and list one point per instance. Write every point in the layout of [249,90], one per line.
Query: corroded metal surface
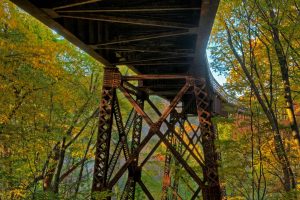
[183,146]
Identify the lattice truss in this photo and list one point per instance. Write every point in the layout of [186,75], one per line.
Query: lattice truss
[128,150]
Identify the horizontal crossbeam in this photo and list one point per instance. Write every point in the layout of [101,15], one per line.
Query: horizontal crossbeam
[162,63]
[149,60]
[136,9]
[149,50]
[132,21]
[153,76]
[76,4]
[138,38]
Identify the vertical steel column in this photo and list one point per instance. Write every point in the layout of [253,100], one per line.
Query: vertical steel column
[212,191]
[112,79]
[167,168]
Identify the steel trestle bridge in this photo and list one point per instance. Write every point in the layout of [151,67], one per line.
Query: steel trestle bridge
[164,43]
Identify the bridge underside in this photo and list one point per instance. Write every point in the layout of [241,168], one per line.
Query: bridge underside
[164,42]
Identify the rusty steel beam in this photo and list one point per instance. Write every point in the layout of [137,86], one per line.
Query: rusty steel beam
[194,146]
[162,63]
[174,102]
[146,191]
[120,126]
[123,132]
[135,9]
[140,111]
[134,172]
[197,159]
[135,105]
[131,158]
[133,62]
[100,182]
[148,50]
[190,140]
[191,172]
[210,173]
[164,93]
[153,150]
[177,135]
[138,124]
[198,139]
[126,191]
[60,29]
[196,194]
[76,4]
[112,81]
[138,38]
[154,77]
[157,144]
[187,183]
[131,21]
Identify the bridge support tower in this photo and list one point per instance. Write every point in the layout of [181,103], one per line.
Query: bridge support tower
[184,126]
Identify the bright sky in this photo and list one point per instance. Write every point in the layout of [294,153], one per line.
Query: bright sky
[220,78]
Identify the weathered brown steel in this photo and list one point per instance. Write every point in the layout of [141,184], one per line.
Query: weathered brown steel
[196,193]
[148,50]
[110,83]
[113,80]
[146,191]
[76,4]
[152,76]
[162,119]
[138,38]
[133,21]
[162,64]
[178,136]
[134,171]
[133,62]
[123,132]
[142,9]
[213,190]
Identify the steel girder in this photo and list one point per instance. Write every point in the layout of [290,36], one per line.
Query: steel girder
[182,147]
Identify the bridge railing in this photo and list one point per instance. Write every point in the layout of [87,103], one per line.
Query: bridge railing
[219,90]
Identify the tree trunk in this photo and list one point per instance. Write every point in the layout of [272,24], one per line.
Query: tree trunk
[50,172]
[279,147]
[282,59]
[56,181]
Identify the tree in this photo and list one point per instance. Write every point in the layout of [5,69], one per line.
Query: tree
[48,111]
[238,47]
